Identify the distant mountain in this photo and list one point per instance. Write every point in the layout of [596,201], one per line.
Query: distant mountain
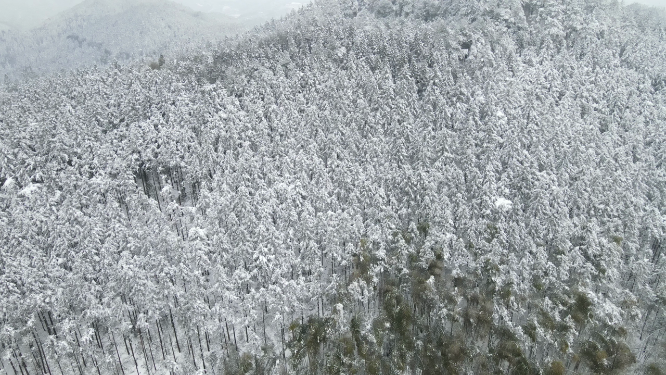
[249,12]
[101,31]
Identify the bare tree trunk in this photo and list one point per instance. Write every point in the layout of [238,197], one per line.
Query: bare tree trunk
[41,352]
[203,362]
[228,335]
[39,367]
[14,368]
[173,351]
[191,347]
[41,321]
[145,354]
[174,330]
[159,335]
[78,364]
[117,353]
[80,348]
[150,348]
[21,362]
[51,324]
[58,361]
[136,363]
[98,337]
[96,366]
[234,329]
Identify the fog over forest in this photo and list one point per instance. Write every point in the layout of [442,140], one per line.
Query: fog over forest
[27,14]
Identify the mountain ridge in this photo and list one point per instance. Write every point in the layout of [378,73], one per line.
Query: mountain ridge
[100,31]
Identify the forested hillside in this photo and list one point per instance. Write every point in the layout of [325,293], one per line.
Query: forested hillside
[364,187]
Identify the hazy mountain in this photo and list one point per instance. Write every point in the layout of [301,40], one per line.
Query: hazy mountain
[28,14]
[252,12]
[101,31]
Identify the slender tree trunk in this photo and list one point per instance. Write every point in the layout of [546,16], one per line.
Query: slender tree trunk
[14,368]
[228,335]
[173,324]
[39,367]
[145,354]
[173,351]
[282,339]
[234,330]
[159,335]
[136,363]
[51,323]
[191,347]
[21,362]
[143,182]
[98,337]
[126,346]
[117,353]
[80,349]
[647,315]
[224,345]
[157,193]
[203,362]
[40,348]
[58,361]
[41,321]
[150,348]
[263,322]
[78,364]
[96,366]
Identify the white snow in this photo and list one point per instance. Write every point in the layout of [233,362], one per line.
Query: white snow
[29,189]
[503,204]
[9,184]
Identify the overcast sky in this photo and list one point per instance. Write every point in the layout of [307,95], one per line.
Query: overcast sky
[31,13]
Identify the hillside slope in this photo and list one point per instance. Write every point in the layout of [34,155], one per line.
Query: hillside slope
[369,187]
[101,31]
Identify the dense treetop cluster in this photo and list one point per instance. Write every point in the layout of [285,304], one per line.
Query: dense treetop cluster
[368,187]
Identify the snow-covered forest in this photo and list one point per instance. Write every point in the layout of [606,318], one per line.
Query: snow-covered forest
[362,187]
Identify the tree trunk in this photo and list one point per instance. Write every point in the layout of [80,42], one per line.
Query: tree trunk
[80,348]
[145,353]
[150,348]
[159,335]
[191,347]
[203,362]
[41,352]
[117,353]
[96,366]
[136,363]
[174,330]
[21,362]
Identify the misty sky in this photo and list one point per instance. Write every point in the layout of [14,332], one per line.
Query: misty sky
[31,13]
